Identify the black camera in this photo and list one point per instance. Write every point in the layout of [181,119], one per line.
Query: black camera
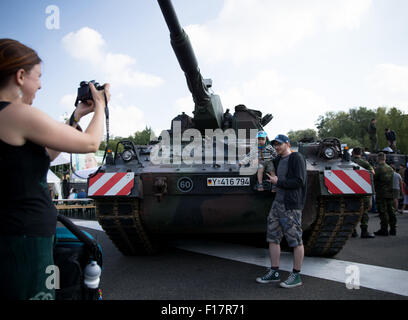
[84,91]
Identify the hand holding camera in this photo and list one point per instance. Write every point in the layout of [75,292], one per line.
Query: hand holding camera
[90,95]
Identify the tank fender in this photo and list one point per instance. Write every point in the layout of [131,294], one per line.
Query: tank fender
[115,184]
[346,182]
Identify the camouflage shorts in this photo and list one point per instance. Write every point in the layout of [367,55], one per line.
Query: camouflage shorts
[284,222]
[267,165]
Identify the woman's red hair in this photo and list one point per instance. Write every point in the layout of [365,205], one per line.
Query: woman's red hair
[13,57]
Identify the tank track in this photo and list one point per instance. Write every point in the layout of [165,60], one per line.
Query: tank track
[336,219]
[121,220]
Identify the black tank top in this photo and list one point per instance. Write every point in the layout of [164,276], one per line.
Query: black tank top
[26,207]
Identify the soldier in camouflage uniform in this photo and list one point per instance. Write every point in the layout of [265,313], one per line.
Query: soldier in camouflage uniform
[372,133]
[383,181]
[367,201]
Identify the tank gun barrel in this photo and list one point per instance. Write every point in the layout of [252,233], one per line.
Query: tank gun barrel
[208,109]
[179,39]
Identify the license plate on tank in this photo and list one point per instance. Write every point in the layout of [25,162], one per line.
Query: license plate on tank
[228,182]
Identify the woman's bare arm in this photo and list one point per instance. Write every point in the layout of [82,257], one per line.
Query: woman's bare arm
[28,123]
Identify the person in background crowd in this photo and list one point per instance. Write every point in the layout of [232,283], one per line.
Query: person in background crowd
[383,182]
[402,171]
[372,133]
[391,137]
[82,194]
[73,194]
[29,140]
[397,187]
[405,188]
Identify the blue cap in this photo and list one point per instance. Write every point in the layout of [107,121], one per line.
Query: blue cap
[261,134]
[280,138]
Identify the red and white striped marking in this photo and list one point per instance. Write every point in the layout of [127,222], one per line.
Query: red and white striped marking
[348,181]
[111,184]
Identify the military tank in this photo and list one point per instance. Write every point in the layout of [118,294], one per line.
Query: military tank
[141,203]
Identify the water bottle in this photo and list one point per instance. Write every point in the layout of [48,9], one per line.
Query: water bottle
[92,275]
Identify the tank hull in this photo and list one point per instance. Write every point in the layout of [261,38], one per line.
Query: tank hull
[138,224]
[216,210]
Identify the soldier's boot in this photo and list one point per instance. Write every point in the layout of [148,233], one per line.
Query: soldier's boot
[354,234]
[381,232]
[393,231]
[365,234]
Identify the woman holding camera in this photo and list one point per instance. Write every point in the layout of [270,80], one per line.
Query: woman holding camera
[29,140]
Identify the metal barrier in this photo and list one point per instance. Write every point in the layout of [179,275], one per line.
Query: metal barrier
[76,208]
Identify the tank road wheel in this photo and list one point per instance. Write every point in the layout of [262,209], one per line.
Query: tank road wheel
[121,220]
[336,219]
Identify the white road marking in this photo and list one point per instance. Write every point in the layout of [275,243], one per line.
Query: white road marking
[372,277]
[88,224]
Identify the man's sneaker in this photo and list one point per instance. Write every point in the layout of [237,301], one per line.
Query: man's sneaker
[271,276]
[292,281]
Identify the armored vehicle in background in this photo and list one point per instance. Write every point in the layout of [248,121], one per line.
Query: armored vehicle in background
[141,204]
[394,159]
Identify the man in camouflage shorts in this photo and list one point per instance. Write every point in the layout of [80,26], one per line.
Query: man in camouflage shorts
[285,216]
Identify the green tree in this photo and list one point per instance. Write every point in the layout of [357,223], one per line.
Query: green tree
[350,142]
[396,120]
[138,138]
[298,135]
[143,137]
[354,123]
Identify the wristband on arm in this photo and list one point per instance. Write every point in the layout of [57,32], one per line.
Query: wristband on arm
[73,122]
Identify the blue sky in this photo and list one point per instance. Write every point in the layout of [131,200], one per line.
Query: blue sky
[295,59]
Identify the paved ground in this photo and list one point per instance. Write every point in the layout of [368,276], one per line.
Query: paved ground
[391,252]
[178,274]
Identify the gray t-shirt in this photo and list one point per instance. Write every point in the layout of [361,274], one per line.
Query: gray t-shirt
[397,179]
[281,173]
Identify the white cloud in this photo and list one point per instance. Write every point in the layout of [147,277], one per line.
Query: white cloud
[389,85]
[67,102]
[293,108]
[123,120]
[126,120]
[258,29]
[66,106]
[185,104]
[88,45]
